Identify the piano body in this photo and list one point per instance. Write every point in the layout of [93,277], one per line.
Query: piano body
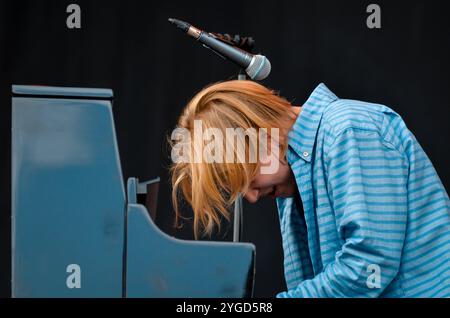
[77,233]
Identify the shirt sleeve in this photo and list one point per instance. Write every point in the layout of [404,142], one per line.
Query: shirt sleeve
[367,187]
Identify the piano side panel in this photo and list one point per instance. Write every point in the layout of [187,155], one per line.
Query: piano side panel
[68,200]
[161,266]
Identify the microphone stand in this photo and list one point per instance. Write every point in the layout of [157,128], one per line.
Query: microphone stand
[246,43]
[238,207]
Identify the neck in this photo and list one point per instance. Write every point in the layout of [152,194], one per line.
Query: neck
[297,109]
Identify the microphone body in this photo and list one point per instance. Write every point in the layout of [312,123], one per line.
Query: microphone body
[256,66]
[235,54]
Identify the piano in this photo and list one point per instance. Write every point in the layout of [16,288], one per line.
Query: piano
[78,232]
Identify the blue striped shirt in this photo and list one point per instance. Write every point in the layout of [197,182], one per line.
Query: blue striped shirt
[372,217]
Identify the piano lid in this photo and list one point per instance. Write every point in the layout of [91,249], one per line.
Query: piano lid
[50,91]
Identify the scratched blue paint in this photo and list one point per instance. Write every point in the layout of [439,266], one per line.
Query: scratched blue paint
[68,197]
[69,207]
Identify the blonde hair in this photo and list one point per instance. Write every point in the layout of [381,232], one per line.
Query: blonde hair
[211,188]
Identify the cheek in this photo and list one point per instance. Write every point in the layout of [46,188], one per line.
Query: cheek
[282,175]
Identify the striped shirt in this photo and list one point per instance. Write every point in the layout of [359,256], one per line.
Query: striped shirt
[372,217]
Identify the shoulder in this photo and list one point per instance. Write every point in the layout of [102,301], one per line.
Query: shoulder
[361,118]
[347,113]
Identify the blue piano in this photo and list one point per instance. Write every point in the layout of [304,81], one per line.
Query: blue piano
[76,230]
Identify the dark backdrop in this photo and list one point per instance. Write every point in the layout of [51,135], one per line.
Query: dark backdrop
[154,69]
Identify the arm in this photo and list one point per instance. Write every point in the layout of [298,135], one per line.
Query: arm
[367,188]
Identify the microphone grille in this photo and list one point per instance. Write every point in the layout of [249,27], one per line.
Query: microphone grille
[259,68]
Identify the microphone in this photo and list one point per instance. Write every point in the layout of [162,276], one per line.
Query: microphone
[256,66]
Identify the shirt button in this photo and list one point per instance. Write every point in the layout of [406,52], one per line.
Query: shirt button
[305,154]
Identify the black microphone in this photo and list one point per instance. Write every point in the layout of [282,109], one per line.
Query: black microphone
[256,66]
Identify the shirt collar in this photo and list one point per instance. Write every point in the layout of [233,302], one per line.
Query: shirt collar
[302,136]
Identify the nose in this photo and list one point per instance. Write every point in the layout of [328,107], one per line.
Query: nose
[252,195]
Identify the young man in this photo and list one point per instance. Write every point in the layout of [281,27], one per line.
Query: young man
[376,218]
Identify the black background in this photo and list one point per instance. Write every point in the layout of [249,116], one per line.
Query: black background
[154,69]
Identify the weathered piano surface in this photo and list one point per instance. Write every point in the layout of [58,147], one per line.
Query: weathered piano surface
[75,232]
